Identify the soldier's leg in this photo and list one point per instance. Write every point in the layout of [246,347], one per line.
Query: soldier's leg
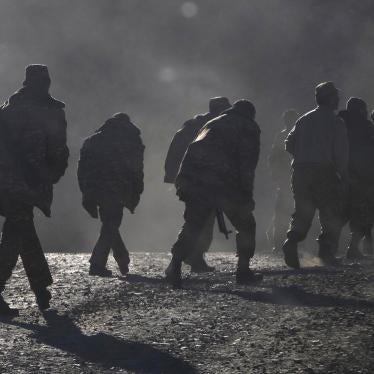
[330,232]
[368,241]
[197,260]
[358,219]
[10,246]
[281,217]
[301,219]
[34,262]
[120,252]
[108,232]
[9,250]
[33,258]
[245,225]
[242,218]
[357,234]
[195,216]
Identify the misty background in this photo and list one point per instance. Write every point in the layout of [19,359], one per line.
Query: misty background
[160,62]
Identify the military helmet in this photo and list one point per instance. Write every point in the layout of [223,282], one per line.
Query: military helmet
[218,104]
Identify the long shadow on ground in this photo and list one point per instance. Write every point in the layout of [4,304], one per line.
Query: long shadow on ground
[291,296]
[103,349]
[295,296]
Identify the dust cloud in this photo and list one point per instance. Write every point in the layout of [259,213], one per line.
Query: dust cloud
[160,61]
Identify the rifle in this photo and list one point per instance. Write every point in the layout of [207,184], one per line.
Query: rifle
[222,224]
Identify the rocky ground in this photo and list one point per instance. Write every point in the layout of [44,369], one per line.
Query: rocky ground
[317,320]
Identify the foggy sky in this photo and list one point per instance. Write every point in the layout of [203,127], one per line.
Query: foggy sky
[160,61]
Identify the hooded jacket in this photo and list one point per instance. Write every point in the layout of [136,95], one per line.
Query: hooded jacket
[111,164]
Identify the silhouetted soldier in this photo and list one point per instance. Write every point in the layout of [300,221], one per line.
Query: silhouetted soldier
[33,134]
[361,159]
[217,173]
[280,166]
[368,238]
[177,149]
[110,175]
[319,145]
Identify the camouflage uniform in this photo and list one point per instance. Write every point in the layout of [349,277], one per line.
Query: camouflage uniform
[34,157]
[177,149]
[217,172]
[361,159]
[110,175]
[319,145]
[280,166]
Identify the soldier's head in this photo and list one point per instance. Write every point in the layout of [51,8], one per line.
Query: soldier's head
[290,117]
[218,104]
[357,107]
[37,78]
[372,115]
[327,95]
[245,107]
[115,122]
[119,119]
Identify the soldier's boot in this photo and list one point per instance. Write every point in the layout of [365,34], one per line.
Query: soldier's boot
[247,276]
[328,259]
[353,252]
[174,273]
[123,268]
[368,245]
[6,310]
[43,297]
[121,254]
[199,265]
[291,256]
[99,271]
[244,275]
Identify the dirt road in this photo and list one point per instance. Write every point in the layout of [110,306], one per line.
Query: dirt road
[318,320]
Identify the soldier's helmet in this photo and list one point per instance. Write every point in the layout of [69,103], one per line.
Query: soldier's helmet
[245,107]
[357,107]
[372,115]
[218,104]
[121,117]
[36,75]
[327,95]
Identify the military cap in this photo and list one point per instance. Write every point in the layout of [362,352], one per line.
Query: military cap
[36,72]
[218,104]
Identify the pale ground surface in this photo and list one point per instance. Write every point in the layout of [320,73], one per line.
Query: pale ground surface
[319,320]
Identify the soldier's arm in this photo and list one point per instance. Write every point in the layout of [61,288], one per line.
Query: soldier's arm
[290,142]
[139,166]
[341,149]
[177,149]
[57,149]
[83,168]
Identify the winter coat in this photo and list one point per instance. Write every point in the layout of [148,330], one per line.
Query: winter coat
[220,163]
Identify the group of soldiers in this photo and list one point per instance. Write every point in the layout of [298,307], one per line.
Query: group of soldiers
[212,161]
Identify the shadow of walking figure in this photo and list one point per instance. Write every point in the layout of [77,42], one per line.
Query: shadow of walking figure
[295,296]
[105,350]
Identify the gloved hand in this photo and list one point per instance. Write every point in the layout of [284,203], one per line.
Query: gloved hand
[91,207]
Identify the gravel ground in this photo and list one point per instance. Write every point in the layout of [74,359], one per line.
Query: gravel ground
[317,320]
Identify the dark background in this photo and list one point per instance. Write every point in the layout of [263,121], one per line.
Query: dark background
[160,61]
